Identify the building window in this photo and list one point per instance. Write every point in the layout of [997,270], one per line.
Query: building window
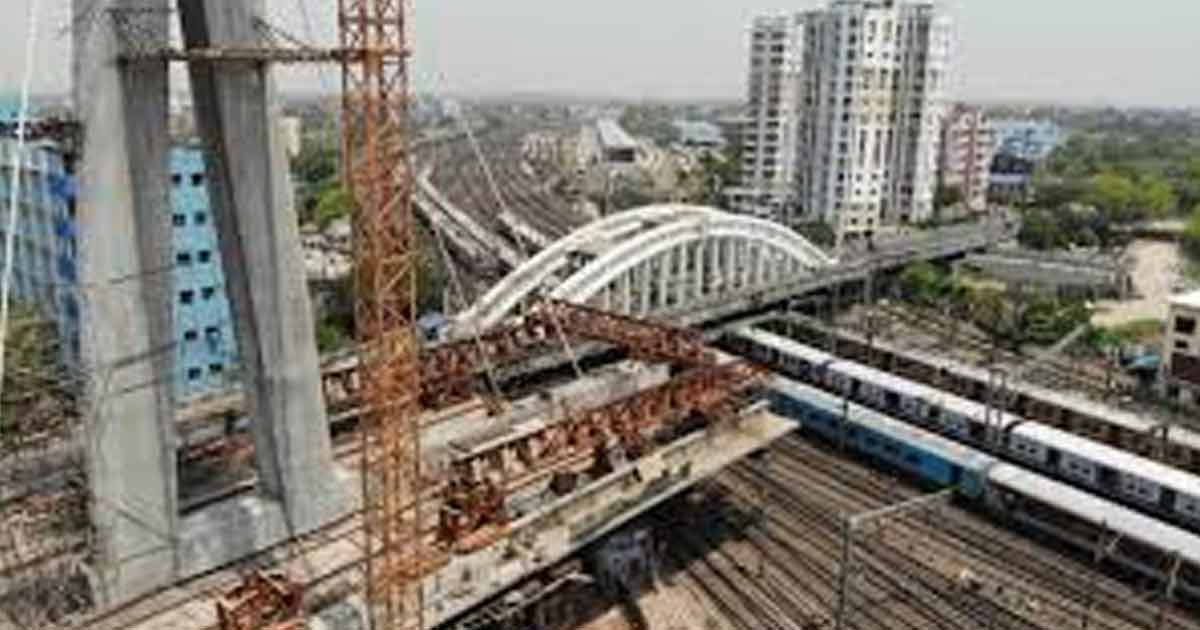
[197,179]
[200,218]
[204,256]
[176,179]
[187,297]
[208,292]
[179,220]
[1185,325]
[183,259]
[215,368]
[190,335]
[1181,345]
[194,374]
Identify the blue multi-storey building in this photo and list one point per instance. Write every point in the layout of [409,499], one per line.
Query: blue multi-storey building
[1031,140]
[44,272]
[207,348]
[46,275]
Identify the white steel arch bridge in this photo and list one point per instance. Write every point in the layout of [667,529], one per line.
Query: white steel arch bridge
[651,259]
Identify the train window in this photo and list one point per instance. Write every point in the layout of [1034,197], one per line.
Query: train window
[913,459]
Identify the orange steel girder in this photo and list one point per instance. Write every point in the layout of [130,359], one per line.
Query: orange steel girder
[643,339]
[473,497]
[451,372]
[263,601]
[378,173]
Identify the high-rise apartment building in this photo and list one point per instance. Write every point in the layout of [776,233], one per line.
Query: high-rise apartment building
[864,82]
[968,145]
[770,129]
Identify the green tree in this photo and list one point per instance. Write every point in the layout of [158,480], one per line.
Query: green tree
[316,163]
[1155,197]
[433,278]
[1191,233]
[1115,195]
[1041,230]
[31,379]
[924,283]
[334,202]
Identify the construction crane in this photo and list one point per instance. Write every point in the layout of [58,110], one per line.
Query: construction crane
[377,170]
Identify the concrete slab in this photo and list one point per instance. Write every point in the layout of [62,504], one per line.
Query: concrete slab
[540,539]
[550,533]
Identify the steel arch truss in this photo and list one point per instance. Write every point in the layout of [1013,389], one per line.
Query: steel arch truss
[652,259]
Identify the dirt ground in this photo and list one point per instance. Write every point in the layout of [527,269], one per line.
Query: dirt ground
[1156,271]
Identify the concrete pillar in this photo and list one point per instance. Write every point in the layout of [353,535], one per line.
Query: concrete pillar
[741,258]
[720,264]
[682,274]
[666,271]
[714,265]
[124,225]
[252,203]
[644,270]
[701,272]
[626,288]
[782,266]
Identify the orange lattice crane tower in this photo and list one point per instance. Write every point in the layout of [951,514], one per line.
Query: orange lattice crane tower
[377,168]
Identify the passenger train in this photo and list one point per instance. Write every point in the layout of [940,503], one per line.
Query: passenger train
[1132,480]
[1070,516]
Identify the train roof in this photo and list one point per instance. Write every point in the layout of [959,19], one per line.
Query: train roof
[908,387]
[1184,436]
[1066,400]
[883,424]
[946,400]
[795,348]
[1112,457]
[1098,511]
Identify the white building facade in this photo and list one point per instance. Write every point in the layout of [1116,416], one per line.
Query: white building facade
[866,83]
[968,146]
[770,132]
[1181,349]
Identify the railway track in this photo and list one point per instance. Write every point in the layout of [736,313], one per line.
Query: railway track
[461,178]
[978,347]
[911,573]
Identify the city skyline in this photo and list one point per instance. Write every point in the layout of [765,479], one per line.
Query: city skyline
[1020,51]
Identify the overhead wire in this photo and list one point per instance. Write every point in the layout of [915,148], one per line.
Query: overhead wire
[457,286]
[495,189]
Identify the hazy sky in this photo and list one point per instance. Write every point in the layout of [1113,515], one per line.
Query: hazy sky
[1081,51]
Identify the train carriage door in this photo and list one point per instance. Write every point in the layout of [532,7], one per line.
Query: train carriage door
[1167,500]
[1108,479]
[891,400]
[1053,459]
[955,476]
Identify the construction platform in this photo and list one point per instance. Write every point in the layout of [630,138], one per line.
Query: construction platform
[545,527]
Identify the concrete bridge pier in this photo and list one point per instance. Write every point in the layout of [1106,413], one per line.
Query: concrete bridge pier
[259,239]
[126,337]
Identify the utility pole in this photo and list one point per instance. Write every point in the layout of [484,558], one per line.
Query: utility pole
[1105,545]
[851,524]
